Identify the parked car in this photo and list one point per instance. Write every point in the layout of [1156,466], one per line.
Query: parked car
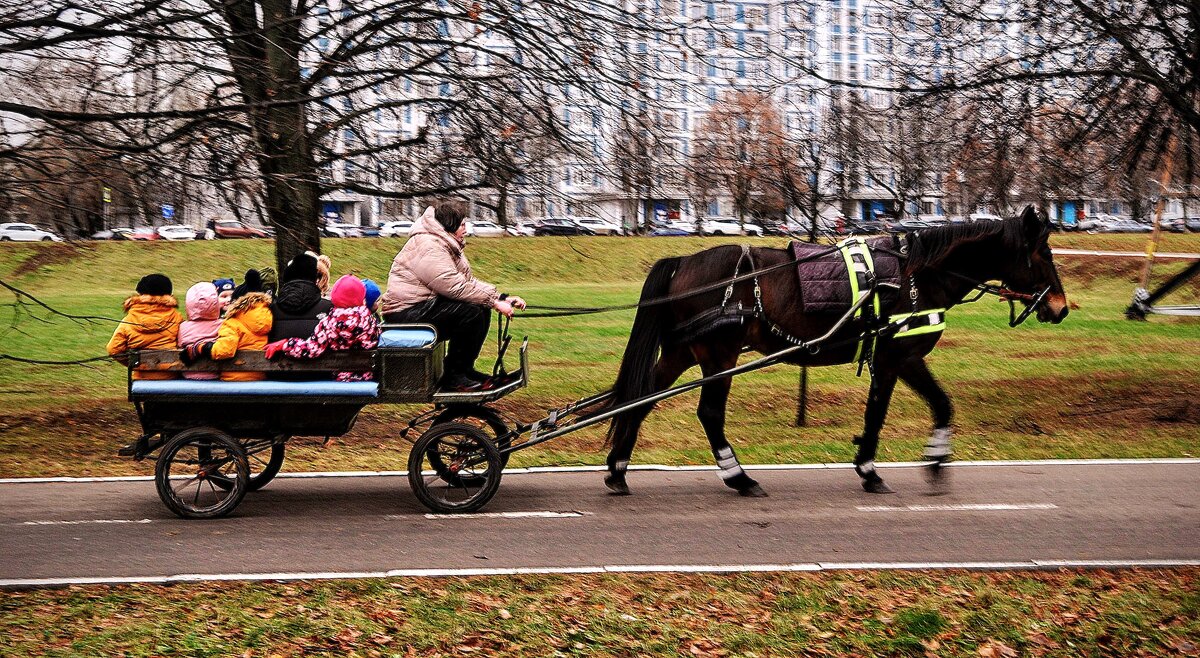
[599,226]
[1125,226]
[984,217]
[910,224]
[335,230]
[395,229]
[19,232]
[727,226]
[484,229]
[522,228]
[868,226]
[560,226]
[369,231]
[231,228]
[176,232]
[1192,224]
[144,233]
[119,233]
[679,225]
[668,231]
[1177,225]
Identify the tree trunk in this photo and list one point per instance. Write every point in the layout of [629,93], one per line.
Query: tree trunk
[502,207]
[266,65]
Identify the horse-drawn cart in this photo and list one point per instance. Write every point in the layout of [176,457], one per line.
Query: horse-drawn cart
[217,440]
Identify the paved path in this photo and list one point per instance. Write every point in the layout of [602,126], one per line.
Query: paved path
[1033,514]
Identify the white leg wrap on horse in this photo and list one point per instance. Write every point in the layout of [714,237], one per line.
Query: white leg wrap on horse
[938,446]
[728,463]
[621,466]
[865,469]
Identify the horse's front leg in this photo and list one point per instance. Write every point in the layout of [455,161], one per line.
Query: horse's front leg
[915,373]
[878,400]
[714,397]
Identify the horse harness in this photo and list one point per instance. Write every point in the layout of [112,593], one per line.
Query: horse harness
[860,267]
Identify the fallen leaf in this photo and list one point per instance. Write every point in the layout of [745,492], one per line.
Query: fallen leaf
[505,614]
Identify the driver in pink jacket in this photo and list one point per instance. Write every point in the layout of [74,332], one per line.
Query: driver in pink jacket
[431,282]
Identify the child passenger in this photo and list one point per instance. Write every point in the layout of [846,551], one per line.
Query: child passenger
[203,323]
[348,326]
[151,322]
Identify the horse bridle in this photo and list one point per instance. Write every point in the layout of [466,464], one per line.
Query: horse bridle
[1032,300]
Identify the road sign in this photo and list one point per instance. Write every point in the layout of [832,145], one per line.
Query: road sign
[107,194]
[168,211]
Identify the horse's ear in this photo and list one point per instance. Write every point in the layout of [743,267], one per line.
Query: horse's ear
[1033,224]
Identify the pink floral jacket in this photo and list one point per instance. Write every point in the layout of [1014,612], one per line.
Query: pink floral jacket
[341,329]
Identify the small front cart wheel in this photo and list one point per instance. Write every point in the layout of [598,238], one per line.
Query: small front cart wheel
[485,419]
[262,470]
[188,470]
[465,451]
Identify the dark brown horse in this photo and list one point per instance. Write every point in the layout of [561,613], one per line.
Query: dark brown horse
[938,268]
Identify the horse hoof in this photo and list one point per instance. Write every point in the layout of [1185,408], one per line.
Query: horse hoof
[616,486]
[753,492]
[938,477]
[877,487]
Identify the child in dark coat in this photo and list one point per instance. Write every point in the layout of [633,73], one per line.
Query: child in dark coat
[348,326]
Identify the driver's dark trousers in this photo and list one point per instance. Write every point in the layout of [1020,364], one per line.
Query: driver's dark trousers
[464,324]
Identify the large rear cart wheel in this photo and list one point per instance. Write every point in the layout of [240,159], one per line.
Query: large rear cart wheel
[478,416]
[454,468]
[265,462]
[188,469]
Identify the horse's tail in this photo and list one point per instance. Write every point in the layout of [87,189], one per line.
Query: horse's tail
[635,379]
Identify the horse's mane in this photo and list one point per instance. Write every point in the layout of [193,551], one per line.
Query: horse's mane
[929,247]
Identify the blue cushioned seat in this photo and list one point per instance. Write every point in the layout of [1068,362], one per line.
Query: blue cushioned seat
[214,387]
[408,337]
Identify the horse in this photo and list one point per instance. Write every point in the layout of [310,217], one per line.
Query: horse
[938,267]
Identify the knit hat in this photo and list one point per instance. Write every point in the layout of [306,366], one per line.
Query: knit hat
[301,268]
[270,280]
[253,283]
[348,292]
[373,293]
[154,284]
[223,285]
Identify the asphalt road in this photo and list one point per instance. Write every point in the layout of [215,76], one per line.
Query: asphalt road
[1016,515]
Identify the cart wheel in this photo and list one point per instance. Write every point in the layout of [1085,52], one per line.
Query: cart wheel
[262,470]
[187,470]
[470,459]
[478,416]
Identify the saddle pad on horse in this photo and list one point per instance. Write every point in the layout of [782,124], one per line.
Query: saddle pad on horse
[825,278]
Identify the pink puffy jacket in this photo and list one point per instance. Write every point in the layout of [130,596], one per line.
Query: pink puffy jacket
[432,263]
[204,320]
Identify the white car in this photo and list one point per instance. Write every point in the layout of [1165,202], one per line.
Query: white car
[482,229]
[599,226]
[521,229]
[984,217]
[334,230]
[727,226]
[397,229]
[176,232]
[16,232]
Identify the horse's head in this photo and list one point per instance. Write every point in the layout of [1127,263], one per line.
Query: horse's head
[1032,272]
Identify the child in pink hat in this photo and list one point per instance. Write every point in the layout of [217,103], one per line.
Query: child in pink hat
[348,326]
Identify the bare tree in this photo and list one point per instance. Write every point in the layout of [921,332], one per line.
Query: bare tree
[320,95]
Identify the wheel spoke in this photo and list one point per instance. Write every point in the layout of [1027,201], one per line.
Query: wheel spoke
[185,484]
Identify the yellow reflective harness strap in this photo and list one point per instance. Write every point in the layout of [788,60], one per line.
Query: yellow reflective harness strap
[930,321]
[859,265]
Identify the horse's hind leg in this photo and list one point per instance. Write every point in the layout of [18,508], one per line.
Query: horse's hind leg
[878,400]
[714,397]
[673,362]
[916,374]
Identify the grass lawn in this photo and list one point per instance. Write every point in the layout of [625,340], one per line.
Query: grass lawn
[1068,614]
[1095,386]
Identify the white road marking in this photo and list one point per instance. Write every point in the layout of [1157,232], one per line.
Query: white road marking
[499,515]
[84,522]
[533,470]
[958,507]
[1123,254]
[1031,564]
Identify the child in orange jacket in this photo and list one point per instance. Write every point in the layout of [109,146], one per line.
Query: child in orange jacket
[246,326]
[151,322]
